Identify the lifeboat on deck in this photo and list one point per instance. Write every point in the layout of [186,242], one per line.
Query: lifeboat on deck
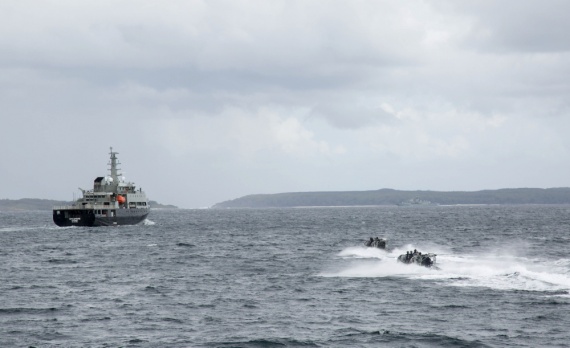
[121,199]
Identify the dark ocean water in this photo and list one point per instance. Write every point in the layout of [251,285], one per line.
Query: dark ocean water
[289,278]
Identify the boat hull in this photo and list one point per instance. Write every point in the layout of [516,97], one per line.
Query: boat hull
[94,218]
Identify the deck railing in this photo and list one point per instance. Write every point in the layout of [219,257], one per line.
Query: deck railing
[86,206]
[95,206]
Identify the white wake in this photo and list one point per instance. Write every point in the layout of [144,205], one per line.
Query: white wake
[500,271]
[148,222]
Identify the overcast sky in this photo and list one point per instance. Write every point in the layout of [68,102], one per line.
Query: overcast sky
[207,101]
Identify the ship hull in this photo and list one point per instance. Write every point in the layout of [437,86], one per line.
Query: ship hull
[94,218]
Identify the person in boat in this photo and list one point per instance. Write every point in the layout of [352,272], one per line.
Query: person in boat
[369,243]
[382,243]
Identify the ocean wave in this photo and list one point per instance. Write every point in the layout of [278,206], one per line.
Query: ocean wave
[355,337]
[188,245]
[262,343]
[25,310]
[32,228]
[61,261]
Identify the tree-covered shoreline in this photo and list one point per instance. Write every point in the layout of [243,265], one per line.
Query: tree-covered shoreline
[397,197]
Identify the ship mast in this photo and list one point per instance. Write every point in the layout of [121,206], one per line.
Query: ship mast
[114,170]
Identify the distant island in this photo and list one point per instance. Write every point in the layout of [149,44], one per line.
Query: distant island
[47,204]
[404,198]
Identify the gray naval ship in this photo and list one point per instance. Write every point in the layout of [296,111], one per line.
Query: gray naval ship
[113,201]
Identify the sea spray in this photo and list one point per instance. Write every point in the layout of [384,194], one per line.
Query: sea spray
[492,270]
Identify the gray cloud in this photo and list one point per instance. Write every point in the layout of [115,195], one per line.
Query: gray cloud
[220,99]
[514,26]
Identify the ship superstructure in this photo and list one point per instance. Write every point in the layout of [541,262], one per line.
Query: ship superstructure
[112,201]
